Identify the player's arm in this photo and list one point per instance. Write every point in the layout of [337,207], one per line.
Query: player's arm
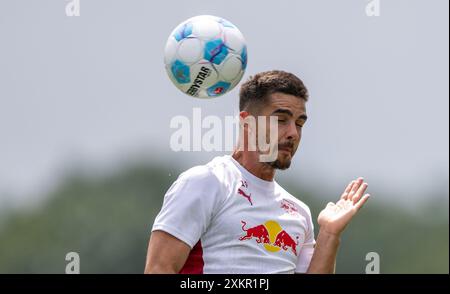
[332,221]
[325,251]
[186,213]
[166,254]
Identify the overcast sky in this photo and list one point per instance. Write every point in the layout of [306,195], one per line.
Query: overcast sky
[93,90]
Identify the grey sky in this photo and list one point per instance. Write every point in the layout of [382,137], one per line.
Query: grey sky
[93,88]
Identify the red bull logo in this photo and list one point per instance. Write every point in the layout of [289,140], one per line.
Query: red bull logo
[258,232]
[289,207]
[271,235]
[285,241]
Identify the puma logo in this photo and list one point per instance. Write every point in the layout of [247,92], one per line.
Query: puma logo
[241,192]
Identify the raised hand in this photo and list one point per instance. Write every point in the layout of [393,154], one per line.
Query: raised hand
[335,216]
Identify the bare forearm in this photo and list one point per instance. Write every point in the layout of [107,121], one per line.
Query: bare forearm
[324,258]
[332,221]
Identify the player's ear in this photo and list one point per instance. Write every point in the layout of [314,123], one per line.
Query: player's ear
[247,130]
[243,114]
[247,121]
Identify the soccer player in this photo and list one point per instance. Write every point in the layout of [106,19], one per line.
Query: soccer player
[231,216]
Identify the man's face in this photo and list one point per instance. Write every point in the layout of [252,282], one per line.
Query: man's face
[290,112]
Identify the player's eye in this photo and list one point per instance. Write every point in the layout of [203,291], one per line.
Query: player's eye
[299,125]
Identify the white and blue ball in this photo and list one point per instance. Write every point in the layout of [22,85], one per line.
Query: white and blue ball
[205,56]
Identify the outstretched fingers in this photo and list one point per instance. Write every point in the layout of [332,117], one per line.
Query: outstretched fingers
[347,190]
[359,192]
[361,202]
[355,188]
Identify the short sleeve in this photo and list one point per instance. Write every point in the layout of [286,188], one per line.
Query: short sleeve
[307,249]
[189,205]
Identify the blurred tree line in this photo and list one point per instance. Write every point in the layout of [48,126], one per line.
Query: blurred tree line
[108,221]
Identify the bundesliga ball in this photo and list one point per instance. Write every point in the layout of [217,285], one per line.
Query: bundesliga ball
[205,56]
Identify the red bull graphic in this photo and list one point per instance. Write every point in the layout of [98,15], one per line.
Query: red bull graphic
[258,232]
[285,241]
[271,235]
[289,207]
[241,191]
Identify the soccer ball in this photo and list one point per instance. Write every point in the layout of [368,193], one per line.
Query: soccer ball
[205,56]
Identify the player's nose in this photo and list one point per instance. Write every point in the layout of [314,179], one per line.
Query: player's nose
[293,132]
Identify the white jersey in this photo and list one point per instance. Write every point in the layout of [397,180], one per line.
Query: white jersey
[235,222]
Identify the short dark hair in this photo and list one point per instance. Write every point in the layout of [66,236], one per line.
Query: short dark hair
[256,90]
